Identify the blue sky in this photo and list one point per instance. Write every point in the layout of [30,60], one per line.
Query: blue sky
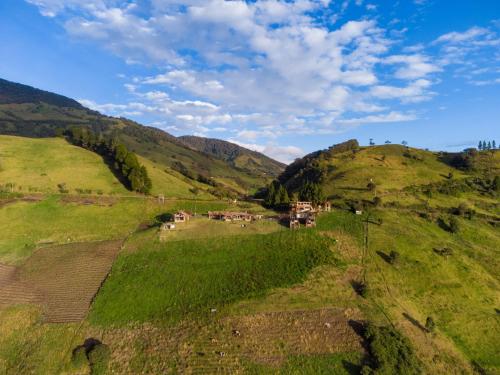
[283,78]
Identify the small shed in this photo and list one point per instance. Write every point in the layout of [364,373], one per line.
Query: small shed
[167,226]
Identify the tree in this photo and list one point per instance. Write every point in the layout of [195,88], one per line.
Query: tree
[430,325]
[489,145]
[387,142]
[480,146]
[371,142]
[493,145]
[484,145]
[404,143]
[283,195]
[271,195]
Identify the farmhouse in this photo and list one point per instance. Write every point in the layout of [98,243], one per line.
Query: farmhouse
[181,217]
[304,213]
[232,216]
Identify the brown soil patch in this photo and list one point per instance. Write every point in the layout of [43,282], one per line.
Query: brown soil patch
[89,200]
[26,198]
[14,290]
[63,279]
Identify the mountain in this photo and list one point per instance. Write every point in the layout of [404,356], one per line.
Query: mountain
[30,112]
[238,156]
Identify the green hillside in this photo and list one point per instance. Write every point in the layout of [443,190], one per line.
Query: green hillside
[239,157]
[40,165]
[26,111]
[52,165]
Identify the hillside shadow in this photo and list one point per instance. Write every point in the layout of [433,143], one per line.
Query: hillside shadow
[384,256]
[119,176]
[351,368]
[443,225]
[415,322]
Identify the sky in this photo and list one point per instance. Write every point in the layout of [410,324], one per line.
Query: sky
[281,77]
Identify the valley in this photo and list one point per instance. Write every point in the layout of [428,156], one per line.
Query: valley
[400,276]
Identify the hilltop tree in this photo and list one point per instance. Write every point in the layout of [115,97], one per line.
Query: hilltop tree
[404,143]
[371,142]
[480,146]
[493,145]
[387,142]
[489,145]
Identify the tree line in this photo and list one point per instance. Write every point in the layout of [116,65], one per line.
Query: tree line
[124,162]
[277,195]
[483,146]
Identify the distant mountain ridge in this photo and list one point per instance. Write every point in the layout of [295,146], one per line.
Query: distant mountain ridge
[236,155]
[30,112]
[17,93]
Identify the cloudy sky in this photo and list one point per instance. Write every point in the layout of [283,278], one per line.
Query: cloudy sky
[280,77]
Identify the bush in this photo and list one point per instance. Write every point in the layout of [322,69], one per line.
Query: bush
[454,225]
[79,357]
[390,352]
[393,257]
[99,358]
[429,324]
[377,201]
[371,186]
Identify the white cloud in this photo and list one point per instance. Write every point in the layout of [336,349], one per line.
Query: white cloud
[414,66]
[285,154]
[262,69]
[374,119]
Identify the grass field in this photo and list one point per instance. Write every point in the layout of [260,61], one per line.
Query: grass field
[170,281]
[21,164]
[27,225]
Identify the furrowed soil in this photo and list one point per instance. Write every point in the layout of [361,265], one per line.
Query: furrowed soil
[62,279]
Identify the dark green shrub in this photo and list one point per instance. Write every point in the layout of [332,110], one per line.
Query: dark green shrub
[79,357]
[430,324]
[99,358]
[454,225]
[390,353]
[393,257]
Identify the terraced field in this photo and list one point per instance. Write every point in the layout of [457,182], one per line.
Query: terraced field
[269,339]
[13,290]
[62,279]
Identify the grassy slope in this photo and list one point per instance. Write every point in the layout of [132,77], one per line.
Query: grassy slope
[28,225]
[354,171]
[168,282]
[41,164]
